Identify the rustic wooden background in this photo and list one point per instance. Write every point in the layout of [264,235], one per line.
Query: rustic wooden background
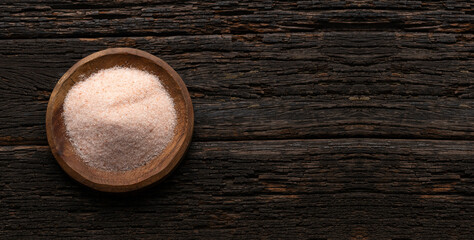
[314,119]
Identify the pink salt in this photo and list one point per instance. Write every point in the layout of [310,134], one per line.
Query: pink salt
[119,118]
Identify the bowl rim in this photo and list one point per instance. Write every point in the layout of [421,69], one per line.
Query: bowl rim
[156,176]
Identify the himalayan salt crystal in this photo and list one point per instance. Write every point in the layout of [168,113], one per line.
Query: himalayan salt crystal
[119,118]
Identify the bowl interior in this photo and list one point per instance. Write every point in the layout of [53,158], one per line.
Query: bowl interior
[155,169]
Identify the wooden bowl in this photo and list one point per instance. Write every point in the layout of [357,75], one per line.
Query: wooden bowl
[124,181]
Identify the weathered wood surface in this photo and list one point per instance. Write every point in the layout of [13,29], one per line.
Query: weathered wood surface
[314,119]
[336,189]
[275,86]
[27,19]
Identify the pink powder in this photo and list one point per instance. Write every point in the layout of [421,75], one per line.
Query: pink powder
[119,118]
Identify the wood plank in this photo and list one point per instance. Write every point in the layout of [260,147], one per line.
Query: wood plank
[325,189]
[34,19]
[274,86]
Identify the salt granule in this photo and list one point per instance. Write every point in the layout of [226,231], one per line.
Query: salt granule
[119,118]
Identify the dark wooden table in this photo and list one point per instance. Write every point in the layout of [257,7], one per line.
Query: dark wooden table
[321,120]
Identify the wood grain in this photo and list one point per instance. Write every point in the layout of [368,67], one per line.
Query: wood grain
[46,19]
[323,189]
[357,85]
[275,86]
